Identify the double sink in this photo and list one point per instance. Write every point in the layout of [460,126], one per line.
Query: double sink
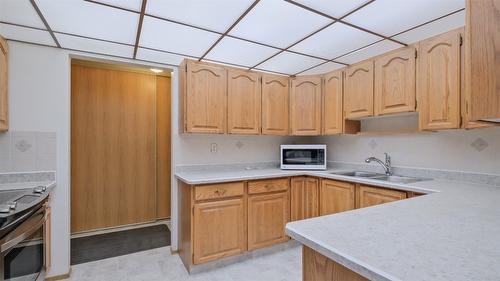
[380,177]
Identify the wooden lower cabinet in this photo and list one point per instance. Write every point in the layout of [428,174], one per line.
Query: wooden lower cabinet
[304,198]
[336,197]
[316,267]
[370,196]
[219,229]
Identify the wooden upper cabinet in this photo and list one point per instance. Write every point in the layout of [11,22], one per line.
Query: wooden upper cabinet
[244,101]
[369,196]
[395,82]
[275,105]
[205,98]
[336,197]
[305,106]
[482,59]
[439,82]
[4,107]
[358,91]
[304,198]
[332,102]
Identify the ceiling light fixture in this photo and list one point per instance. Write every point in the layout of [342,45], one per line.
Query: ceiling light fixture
[156,70]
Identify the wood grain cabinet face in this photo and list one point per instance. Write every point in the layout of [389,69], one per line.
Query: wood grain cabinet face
[395,82]
[304,198]
[439,82]
[267,217]
[332,103]
[369,196]
[275,105]
[358,91]
[4,107]
[219,229]
[336,197]
[205,98]
[305,106]
[244,102]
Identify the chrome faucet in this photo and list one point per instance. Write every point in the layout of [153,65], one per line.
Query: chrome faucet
[387,165]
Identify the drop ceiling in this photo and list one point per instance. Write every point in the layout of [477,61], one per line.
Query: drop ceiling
[288,37]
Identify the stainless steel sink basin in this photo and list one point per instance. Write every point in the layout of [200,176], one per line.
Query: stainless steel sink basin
[359,174]
[398,179]
[380,177]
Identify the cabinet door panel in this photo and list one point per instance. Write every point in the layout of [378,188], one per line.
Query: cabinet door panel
[219,230]
[439,82]
[336,197]
[304,192]
[370,196]
[358,92]
[243,102]
[4,108]
[205,101]
[275,105]
[332,103]
[267,217]
[395,82]
[305,106]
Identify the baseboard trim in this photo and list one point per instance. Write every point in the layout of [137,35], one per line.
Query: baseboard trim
[59,277]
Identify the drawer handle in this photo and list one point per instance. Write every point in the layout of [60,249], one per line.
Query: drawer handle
[220,192]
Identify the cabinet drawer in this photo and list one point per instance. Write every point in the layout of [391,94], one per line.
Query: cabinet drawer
[216,191]
[263,186]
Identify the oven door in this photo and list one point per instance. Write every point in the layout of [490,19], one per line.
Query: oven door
[303,157]
[22,250]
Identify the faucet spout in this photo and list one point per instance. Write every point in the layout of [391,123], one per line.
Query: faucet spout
[387,165]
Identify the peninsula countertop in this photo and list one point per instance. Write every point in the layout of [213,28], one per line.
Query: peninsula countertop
[452,233]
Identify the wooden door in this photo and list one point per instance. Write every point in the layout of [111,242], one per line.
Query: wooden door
[305,106]
[333,102]
[336,197]
[205,98]
[244,102]
[113,157]
[4,106]
[163,142]
[275,105]
[219,230]
[395,89]
[482,46]
[267,217]
[304,198]
[358,90]
[370,196]
[439,82]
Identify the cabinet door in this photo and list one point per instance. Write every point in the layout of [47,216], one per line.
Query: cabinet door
[439,82]
[304,198]
[332,103]
[243,99]
[336,197]
[205,100]
[370,196]
[267,217]
[4,107]
[275,105]
[305,106]
[358,91]
[219,230]
[482,47]
[395,82]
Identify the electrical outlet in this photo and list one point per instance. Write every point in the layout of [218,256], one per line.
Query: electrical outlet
[213,148]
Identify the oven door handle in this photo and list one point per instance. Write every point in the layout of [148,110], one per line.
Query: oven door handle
[23,231]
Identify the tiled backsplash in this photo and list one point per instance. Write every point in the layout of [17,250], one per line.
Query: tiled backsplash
[27,151]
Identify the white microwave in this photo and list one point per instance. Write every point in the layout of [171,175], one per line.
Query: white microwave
[303,157]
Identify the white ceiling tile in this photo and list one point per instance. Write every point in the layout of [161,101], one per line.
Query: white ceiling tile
[370,51]
[335,40]
[159,57]
[278,23]
[389,17]
[163,35]
[90,19]
[127,4]
[322,69]
[19,12]
[289,63]
[217,15]
[240,52]
[95,46]
[26,34]
[334,8]
[434,28]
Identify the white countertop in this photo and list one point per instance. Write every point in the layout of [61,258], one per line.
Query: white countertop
[25,185]
[451,234]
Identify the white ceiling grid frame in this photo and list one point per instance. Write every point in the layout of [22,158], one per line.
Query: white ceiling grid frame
[157,56]
[323,68]
[289,63]
[20,12]
[369,52]
[25,34]
[94,46]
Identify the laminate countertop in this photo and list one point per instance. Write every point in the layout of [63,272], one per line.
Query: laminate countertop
[451,233]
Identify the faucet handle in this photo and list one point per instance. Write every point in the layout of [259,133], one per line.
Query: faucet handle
[387,157]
